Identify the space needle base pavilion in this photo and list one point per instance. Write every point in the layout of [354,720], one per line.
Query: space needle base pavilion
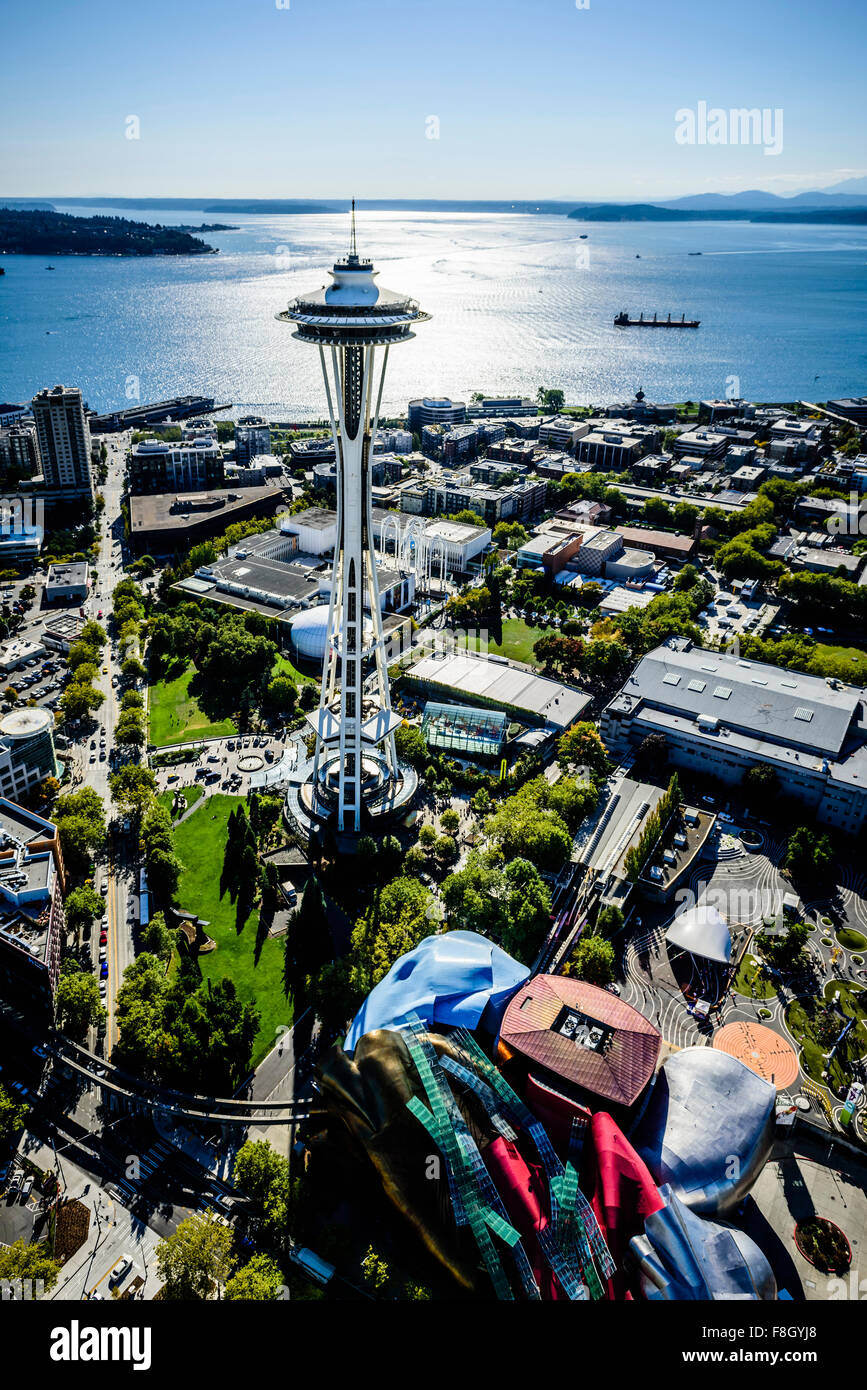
[355,772]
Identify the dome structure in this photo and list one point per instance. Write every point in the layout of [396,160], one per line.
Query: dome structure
[309,632]
[702,931]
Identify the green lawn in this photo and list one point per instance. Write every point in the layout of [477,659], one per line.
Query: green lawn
[200,843]
[746,983]
[518,640]
[283,667]
[190,794]
[799,1019]
[175,716]
[850,663]
[851,939]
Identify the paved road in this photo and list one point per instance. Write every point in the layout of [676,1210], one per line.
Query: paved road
[116,868]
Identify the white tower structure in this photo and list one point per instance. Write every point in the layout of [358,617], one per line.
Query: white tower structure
[355,761]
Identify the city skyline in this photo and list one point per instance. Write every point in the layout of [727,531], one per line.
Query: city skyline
[225,108]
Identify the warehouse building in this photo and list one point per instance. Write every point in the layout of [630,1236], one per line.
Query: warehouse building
[165,524]
[721,715]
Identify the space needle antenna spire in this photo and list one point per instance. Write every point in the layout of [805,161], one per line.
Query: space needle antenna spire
[353,247]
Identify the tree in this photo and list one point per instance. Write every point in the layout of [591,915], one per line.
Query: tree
[31,1262]
[581,746]
[427,836]
[200,1038]
[522,828]
[397,920]
[263,1175]
[414,861]
[510,534]
[808,854]
[130,728]
[526,906]
[445,849]
[132,699]
[259,1280]
[133,669]
[79,1006]
[133,787]
[83,654]
[762,781]
[282,694]
[78,700]
[195,1261]
[652,755]
[827,1025]
[12,1116]
[80,820]
[157,939]
[93,634]
[163,865]
[593,961]
[82,907]
[450,820]
[605,662]
[410,744]
[510,903]
[551,399]
[609,920]
[557,653]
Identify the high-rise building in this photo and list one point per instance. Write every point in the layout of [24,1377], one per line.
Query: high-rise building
[27,754]
[252,437]
[64,442]
[19,450]
[355,766]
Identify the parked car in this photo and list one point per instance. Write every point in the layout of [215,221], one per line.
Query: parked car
[103,970]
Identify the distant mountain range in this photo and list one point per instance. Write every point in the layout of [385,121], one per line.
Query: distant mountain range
[754,200]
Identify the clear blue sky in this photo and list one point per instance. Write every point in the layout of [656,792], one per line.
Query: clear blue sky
[327,97]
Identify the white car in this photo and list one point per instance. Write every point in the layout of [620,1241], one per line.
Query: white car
[120,1270]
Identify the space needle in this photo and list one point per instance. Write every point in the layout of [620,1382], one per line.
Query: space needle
[355,766]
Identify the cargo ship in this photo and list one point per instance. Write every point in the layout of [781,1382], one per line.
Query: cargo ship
[622,320]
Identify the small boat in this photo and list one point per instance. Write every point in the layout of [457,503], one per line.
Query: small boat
[583,236]
[693,253]
[49,267]
[637,257]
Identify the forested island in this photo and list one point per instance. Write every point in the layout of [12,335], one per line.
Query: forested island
[650,212]
[38,233]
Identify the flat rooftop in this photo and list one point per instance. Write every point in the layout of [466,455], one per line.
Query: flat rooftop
[766,702]
[170,511]
[73,573]
[471,674]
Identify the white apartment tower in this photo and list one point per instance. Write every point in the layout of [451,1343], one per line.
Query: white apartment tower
[64,442]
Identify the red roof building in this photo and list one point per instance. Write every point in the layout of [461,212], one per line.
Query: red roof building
[582,1036]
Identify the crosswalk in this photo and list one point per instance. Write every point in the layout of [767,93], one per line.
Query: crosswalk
[128,1189]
